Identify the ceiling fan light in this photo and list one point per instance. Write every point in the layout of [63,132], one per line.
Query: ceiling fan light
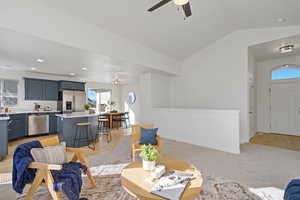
[181,2]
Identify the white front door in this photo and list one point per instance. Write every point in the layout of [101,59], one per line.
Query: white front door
[285,108]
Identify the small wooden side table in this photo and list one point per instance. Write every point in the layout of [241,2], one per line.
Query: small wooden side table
[133,179]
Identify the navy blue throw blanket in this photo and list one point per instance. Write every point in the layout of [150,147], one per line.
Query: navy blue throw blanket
[68,180]
[22,158]
[292,191]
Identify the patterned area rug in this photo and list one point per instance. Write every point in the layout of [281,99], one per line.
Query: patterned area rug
[109,187]
[5,178]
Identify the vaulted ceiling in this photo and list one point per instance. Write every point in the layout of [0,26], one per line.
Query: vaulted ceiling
[20,52]
[166,31]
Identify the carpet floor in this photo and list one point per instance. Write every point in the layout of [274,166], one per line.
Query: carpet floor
[109,187]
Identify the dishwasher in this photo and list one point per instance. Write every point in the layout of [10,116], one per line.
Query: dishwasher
[38,124]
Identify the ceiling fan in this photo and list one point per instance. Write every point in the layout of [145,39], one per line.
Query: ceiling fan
[184,3]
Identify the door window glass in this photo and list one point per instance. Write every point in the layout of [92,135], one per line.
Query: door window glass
[286,72]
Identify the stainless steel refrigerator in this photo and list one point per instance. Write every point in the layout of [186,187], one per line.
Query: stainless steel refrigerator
[72,101]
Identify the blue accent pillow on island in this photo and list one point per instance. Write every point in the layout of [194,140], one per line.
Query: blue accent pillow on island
[148,136]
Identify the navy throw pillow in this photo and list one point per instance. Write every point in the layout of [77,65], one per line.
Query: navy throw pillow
[148,136]
[292,191]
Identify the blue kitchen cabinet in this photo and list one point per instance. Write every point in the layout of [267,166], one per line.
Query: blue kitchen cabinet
[52,123]
[34,89]
[17,126]
[50,89]
[72,85]
[3,139]
[38,89]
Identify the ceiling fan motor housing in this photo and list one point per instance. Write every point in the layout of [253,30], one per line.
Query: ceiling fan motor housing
[180,2]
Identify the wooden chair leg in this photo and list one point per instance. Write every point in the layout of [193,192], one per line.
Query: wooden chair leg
[40,175]
[50,183]
[133,155]
[91,178]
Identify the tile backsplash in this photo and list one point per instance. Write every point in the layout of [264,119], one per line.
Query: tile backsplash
[29,105]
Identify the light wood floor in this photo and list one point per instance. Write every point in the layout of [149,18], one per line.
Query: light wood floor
[101,147]
[277,140]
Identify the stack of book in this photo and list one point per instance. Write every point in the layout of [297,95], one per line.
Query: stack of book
[171,186]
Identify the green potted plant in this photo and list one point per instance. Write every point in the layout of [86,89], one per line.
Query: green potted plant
[87,107]
[149,155]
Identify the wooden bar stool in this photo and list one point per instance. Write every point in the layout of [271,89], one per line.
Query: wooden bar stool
[117,121]
[83,134]
[103,121]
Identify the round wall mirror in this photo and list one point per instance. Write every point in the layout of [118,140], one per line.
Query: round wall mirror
[131,97]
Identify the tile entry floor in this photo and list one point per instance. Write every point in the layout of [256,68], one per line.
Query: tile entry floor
[277,140]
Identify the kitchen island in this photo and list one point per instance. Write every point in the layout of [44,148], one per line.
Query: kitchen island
[3,137]
[66,125]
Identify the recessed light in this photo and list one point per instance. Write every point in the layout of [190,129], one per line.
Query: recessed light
[39,60]
[84,68]
[286,48]
[33,68]
[281,20]
[72,74]
[116,82]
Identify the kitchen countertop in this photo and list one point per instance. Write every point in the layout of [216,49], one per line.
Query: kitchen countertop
[77,114]
[28,112]
[4,118]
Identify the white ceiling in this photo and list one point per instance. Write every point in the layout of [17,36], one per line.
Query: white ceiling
[270,50]
[20,52]
[165,30]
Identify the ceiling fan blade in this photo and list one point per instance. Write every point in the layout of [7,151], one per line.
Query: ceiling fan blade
[187,9]
[163,2]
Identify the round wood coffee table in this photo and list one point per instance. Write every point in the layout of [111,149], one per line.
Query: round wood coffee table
[133,179]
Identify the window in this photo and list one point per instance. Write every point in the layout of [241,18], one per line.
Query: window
[286,72]
[92,98]
[105,97]
[99,99]
[8,92]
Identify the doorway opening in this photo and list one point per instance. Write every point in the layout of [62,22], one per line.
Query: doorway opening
[274,94]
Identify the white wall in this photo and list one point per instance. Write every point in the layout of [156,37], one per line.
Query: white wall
[263,84]
[217,76]
[217,129]
[133,109]
[252,91]
[160,85]
[155,93]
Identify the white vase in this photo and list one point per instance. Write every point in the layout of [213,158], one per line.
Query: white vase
[148,165]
